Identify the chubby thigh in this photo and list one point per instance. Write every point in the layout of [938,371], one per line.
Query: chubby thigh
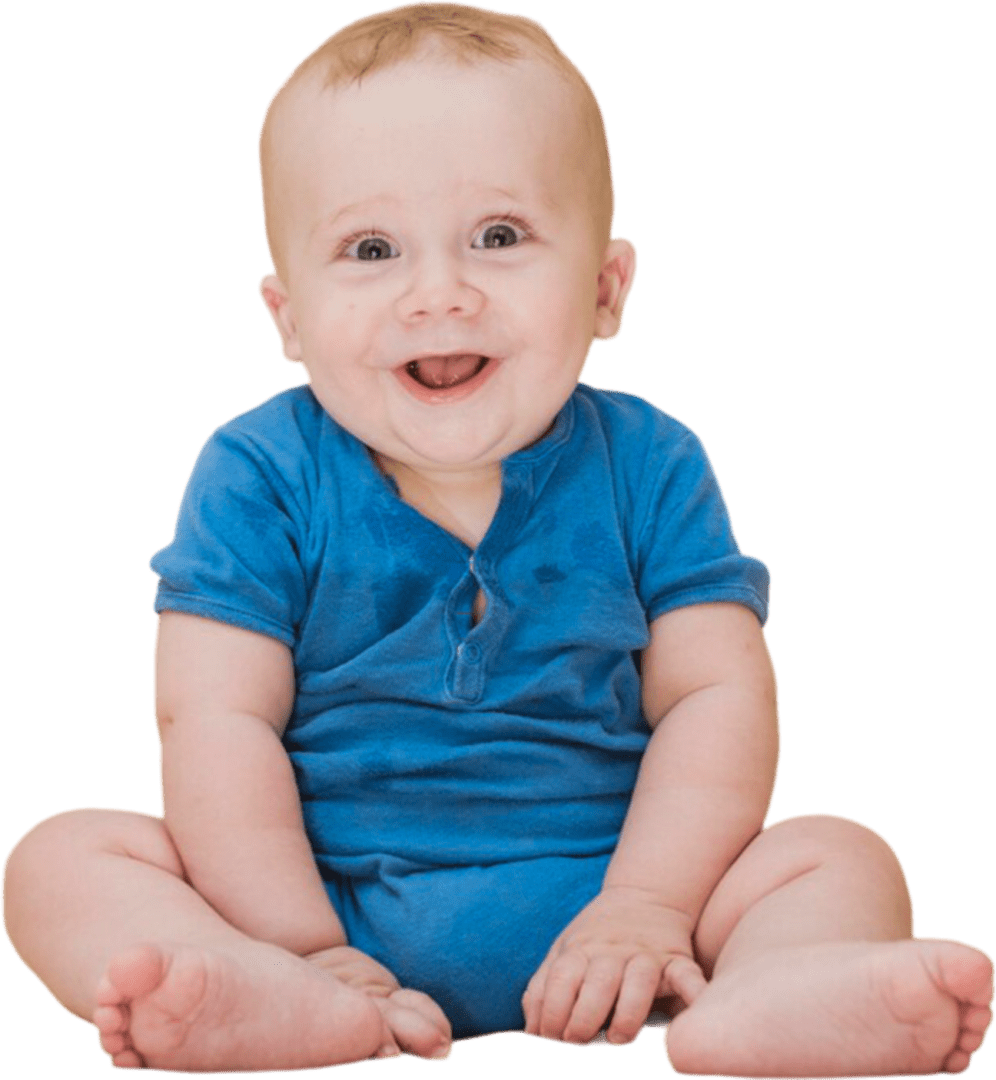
[469,936]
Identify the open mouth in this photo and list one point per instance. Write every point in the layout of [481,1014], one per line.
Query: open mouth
[445,372]
[446,379]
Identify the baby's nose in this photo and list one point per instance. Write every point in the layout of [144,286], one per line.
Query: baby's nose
[437,290]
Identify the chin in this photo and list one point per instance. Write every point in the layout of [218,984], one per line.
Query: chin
[451,445]
[469,454]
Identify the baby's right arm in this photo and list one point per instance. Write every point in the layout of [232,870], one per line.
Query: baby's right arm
[224,696]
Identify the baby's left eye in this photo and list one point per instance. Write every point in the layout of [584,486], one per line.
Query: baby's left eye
[372,249]
[501,234]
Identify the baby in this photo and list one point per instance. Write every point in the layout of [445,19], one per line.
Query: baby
[467,719]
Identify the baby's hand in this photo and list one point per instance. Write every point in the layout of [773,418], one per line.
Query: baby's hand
[413,1022]
[620,953]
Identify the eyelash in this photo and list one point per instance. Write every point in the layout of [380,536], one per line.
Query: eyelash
[510,219]
[372,233]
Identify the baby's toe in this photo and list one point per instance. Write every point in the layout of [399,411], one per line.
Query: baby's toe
[128,1059]
[114,1042]
[109,1019]
[976,1019]
[108,993]
[957,1062]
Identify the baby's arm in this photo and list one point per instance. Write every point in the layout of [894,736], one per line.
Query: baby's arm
[224,696]
[702,793]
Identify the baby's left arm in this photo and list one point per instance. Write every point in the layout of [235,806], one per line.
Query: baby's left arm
[701,796]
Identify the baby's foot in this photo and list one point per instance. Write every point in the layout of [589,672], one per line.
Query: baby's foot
[176,1007]
[857,1009]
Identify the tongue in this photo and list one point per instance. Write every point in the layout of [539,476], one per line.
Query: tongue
[444,371]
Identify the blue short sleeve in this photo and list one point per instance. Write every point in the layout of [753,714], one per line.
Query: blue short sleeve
[686,552]
[235,555]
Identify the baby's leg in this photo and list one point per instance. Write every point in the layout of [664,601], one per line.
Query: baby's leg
[813,973]
[96,904]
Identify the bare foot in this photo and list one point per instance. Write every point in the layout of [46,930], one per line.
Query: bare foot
[856,1009]
[176,1007]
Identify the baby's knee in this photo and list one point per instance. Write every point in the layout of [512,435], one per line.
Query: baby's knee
[818,839]
[66,838]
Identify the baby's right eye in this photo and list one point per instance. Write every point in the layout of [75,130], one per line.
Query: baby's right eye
[370,248]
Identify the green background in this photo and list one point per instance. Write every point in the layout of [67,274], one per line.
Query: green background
[810,189]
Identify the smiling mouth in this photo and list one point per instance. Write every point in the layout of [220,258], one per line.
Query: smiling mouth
[445,372]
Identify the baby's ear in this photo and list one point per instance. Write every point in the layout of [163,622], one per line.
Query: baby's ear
[614,280]
[278,302]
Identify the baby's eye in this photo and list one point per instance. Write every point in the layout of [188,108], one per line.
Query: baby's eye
[371,249]
[500,234]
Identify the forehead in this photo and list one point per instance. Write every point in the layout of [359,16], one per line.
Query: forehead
[429,130]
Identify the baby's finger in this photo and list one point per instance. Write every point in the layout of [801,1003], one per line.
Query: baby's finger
[560,991]
[388,1047]
[595,999]
[684,977]
[532,999]
[636,998]
[412,1031]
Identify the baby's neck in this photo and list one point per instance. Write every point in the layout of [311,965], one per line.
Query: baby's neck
[462,503]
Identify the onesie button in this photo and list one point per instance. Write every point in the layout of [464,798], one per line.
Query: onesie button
[470,652]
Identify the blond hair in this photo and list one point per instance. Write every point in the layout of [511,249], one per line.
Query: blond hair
[464,34]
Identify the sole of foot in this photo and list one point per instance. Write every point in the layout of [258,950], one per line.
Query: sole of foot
[856,1009]
[175,1007]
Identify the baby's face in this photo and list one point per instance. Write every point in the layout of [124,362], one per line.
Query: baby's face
[443,273]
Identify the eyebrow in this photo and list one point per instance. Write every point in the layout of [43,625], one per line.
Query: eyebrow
[352,208]
[362,205]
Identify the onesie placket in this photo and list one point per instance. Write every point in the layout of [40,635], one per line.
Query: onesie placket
[473,648]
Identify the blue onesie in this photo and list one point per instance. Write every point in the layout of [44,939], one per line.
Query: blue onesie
[463,785]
